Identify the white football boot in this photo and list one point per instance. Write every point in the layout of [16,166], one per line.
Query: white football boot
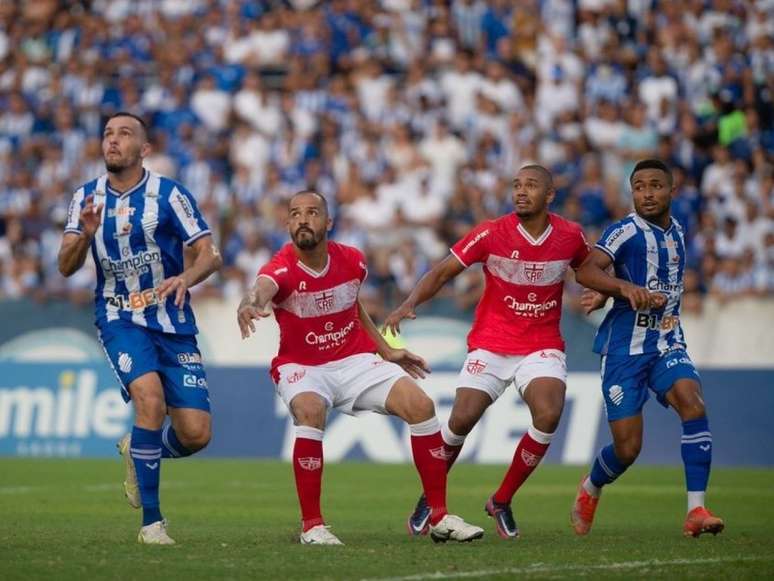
[155,534]
[131,490]
[319,535]
[453,528]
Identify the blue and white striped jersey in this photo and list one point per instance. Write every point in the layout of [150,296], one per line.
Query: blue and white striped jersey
[653,258]
[139,244]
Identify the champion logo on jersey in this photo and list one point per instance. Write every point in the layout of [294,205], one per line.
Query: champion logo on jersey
[324,300]
[475,366]
[125,362]
[529,458]
[616,394]
[534,271]
[310,463]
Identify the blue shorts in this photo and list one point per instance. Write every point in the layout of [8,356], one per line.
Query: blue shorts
[627,378]
[134,351]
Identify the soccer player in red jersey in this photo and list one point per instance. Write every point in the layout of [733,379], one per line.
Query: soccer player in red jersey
[328,359]
[515,335]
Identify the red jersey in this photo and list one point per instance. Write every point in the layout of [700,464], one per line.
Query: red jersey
[521,306]
[317,312]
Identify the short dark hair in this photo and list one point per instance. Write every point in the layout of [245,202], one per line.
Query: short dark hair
[542,171]
[313,193]
[137,118]
[651,163]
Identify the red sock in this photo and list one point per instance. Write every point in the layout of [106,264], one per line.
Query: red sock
[452,445]
[308,468]
[430,459]
[528,454]
[451,453]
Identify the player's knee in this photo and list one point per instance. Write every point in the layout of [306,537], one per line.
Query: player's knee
[547,419]
[627,451]
[149,408]
[309,411]
[691,408]
[421,409]
[461,423]
[195,437]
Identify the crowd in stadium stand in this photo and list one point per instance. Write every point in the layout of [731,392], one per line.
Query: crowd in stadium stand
[411,116]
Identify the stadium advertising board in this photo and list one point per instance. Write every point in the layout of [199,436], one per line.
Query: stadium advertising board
[76,410]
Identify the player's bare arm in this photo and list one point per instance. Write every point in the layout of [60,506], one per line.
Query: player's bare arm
[206,260]
[75,247]
[412,364]
[253,305]
[427,288]
[593,274]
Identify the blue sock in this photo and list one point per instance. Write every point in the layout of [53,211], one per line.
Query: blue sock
[170,445]
[696,451]
[146,453]
[607,467]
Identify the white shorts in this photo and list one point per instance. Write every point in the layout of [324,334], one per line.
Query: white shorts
[353,385]
[491,372]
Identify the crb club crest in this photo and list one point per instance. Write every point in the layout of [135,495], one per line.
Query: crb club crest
[441,453]
[297,376]
[534,271]
[475,366]
[529,458]
[310,463]
[324,300]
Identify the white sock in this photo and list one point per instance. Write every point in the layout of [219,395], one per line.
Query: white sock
[449,437]
[695,499]
[589,487]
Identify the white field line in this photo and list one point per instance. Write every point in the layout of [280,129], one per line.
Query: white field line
[540,568]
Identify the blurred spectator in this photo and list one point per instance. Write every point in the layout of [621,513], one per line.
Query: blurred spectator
[411,116]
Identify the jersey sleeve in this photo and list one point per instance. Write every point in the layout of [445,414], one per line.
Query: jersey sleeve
[359,260]
[73,224]
[581,249]
[615,240]
[474,247]
[277,272]
[187,219]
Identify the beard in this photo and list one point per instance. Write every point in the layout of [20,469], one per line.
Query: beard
[121,163]
[307,242]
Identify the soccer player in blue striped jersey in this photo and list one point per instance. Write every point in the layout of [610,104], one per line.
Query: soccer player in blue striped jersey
[643,347]
[136,225]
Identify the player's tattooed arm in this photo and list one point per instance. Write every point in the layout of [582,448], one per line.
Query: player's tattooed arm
[412,364]
[75,247]
[593,274]
[253,305]
[427,287]
[206,260]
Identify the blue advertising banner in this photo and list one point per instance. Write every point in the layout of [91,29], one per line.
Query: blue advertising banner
[77,410]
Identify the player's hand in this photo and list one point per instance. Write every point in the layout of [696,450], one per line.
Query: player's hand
[177,285]
[245,317]
[591,300]
[657,300]
[392,322]
[412,364]
[91,216]
[641,298]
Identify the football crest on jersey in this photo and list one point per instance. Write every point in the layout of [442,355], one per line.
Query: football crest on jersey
[534,271]
[324,300]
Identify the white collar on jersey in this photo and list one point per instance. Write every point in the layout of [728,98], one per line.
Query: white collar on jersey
[312,272]
[535,241]
[645,225]
[143,179]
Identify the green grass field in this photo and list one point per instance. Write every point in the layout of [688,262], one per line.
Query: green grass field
[67,519]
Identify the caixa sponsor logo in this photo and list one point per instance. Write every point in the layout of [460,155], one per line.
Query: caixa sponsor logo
[655,284]
[332,337]
[75,408]
[194,381]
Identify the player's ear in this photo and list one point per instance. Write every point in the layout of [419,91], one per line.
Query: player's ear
[145,150]
[551,194]
[328,224]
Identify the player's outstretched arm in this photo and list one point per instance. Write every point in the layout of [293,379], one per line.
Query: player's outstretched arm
[427,287]
[253,306]
[593,274]
[75,247]
[412,364]
[206,261]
